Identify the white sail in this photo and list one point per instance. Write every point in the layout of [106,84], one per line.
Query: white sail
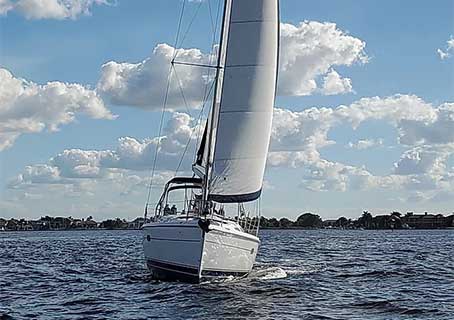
[245,107]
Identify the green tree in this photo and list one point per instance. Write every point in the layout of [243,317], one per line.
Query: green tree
[309,220]
[365,220]
[273,223]
[285,223]
[342,222]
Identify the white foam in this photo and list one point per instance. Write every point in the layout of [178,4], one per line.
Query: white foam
[271,273]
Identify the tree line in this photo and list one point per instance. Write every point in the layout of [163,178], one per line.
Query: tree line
[394,220]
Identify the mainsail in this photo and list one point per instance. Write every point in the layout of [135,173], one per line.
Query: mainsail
[244,108]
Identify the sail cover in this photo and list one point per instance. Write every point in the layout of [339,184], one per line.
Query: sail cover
[245,110]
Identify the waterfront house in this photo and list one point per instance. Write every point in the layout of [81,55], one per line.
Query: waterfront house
[89,224]
[329,223]
[12,225]
[425,221]
[136,224]
[2,224]
[60,223]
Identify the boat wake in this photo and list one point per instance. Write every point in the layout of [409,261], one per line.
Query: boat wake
[270,273]
[306,269]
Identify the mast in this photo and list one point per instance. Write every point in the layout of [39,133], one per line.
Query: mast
[216,96]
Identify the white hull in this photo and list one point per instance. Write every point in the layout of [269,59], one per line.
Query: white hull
[178,249]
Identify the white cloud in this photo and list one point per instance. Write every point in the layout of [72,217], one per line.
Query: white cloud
[76,163]
[447,53]
[27,107]
[437,129]
[365,144]
[38,174]
[422,160]
[308,130]
[133,154]
[144,84]
[393,109]
[128,164]
[296,142]
[333,84]
[308,52]
[50,9]
[298,137]
[5,6]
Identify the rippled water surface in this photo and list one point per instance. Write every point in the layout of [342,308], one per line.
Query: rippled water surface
[317,274]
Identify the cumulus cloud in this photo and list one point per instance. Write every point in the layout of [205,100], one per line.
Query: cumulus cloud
[417,121]
[144,84]
[5,6]
[393,109]
[437,129]
[27,107]
[37,174]
[333,83]
[308,130]
[296,142]
[309,52]
[422,160]
[447,53]
[130,161]
[365,144]
[50,9]
[298,137]
[180,131]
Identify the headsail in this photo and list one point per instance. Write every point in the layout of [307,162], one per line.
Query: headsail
[201,152]
[244,112]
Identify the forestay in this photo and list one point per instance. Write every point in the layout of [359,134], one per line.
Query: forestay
[245,111]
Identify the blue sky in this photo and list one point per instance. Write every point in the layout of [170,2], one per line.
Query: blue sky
[401,41]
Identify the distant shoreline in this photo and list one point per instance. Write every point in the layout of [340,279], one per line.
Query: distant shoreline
[267,229]
[306,221]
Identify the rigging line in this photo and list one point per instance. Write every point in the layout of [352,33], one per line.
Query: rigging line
[166,96]
[194,64]
[200,127]
[182,92]
[213,41]
[158,144]
[189,140]
[207,92]
[213,25]
[190,25]
[180,22]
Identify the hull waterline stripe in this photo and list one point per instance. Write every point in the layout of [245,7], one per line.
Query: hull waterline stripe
[172,267]
[170,273]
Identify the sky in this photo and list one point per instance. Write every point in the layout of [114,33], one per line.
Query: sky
[364,117]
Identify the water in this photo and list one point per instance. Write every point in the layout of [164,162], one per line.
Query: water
[317,274]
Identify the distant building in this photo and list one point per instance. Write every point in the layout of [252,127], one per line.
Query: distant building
[90,224]
[38,225]
[136,224]
[329,223]
[426,221]
[60,223]
[2,224]
[12,225]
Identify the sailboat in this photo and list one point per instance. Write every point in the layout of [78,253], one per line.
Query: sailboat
[201,241]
